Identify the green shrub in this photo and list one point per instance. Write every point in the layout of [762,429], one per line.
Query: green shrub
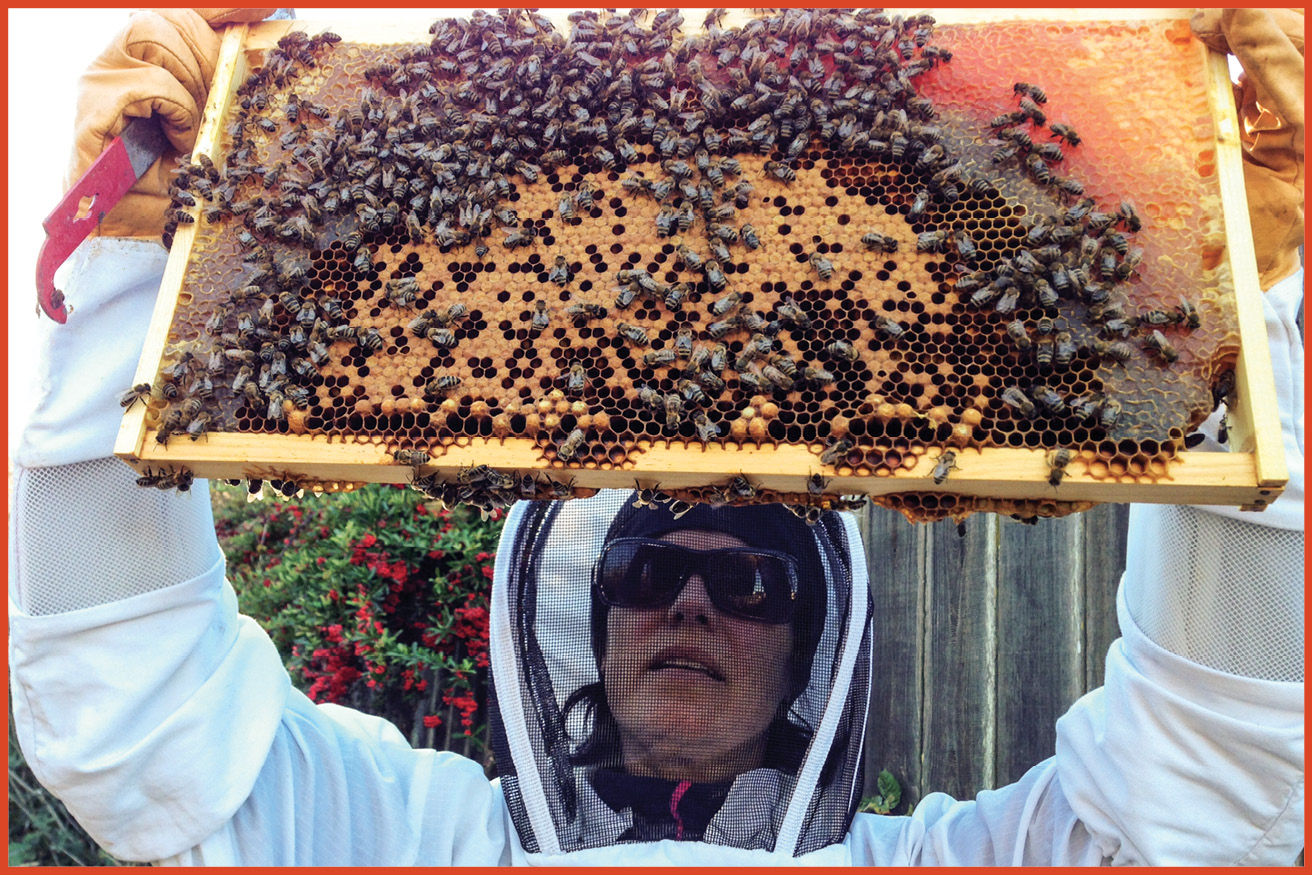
[377,599]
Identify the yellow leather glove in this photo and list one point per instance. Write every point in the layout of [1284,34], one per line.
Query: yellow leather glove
[1269,96]
[161,63]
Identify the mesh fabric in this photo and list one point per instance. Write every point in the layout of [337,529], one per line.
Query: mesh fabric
[86,534]
[1224,593]
[624,725]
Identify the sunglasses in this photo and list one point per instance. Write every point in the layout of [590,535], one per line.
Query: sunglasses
[758,585]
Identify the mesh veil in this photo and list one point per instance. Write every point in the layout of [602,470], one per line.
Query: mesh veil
[562,754]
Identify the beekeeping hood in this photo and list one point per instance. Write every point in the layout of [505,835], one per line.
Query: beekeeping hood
[562,775]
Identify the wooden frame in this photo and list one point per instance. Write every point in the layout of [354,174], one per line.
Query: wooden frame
[1251,475]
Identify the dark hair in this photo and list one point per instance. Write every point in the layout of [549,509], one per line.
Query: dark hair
[769,526]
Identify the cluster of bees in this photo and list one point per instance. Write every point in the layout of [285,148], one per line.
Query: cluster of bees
[446,135]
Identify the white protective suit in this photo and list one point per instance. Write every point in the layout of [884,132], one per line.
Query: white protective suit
[167,723]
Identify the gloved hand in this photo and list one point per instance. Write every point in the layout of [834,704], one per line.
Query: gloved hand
[161,63]
[1269,96]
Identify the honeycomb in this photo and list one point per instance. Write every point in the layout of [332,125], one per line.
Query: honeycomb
[859,232]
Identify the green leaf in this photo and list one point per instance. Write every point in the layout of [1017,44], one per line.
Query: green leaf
[889,788]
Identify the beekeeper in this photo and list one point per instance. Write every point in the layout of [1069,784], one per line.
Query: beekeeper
[667,691]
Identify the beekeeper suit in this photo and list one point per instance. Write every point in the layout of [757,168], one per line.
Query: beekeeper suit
[166,721]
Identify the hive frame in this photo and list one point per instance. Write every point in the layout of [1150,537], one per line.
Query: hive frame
[1250,475]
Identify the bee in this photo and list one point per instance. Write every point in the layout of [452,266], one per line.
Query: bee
[1057,460]
[835,451]
[1110,413]
[683,343]
[1064,351]
[842,350]
[721,328]
[675,295]
[1129,216]
[519,238]
[1008,302]
[1133,258]
[1159,317]
[817,376]
[1188,315]
[1038,168]
[875,241]
[1012,396]
[791,314]
[1064,132]
[634,334]
[139,392]
[781,171]
[815,484]
[691,392]
[931,241]
[689,258]
[888,327]
[1044,353]
[729,302]
[413,458]
[569,448]
[715,275]
[673,405]
[752,241]
[666,222]
[777,377]
[822,265]
[1049,400]
[652,497]
[1157,342]
[1033,92]
[946,462]
[918,205]
[584,312]
[1031,109]
[443,338]
[560,272]
[719,358]
[659,357]
[1019,334]
[1118,351]
[441,385]
[577,380]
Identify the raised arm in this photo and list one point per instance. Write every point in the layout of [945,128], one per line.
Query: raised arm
[163,718]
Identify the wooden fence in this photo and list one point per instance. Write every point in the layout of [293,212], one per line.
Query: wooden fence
[982,640]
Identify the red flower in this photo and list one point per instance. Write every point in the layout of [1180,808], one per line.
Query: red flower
[432,721]
[367,541]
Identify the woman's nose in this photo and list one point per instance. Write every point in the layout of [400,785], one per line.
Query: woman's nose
[692,602]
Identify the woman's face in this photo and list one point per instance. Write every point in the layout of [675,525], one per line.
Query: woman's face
[694,690]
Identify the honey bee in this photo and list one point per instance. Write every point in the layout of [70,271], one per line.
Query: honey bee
[1049,400]
[842,350]
[1129,216]
[1157,342]
[443,338]
[689,258]
[1019,335]
[752,241]
[816,484]
[875,241]
[675,295]
[1065,350]
[1038,168]
[1012,396]
[673,405]
[1110,413]
[584,312]
[919,205]
[835,451]
[658,358]
[560,272]
[577,380]
[822,265]
[634,334]
[931,241]
[1033,92]
[1057,460]
[777,377]
[139,392]
[568,449]
[1118,351]
[1188,314]
[946,462]
[1064,132]
[413,458]
[780,171]
[441,385]
[888,327]
[715,275]
[727,303]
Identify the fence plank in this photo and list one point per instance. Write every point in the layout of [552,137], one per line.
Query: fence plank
[895,555]
[958,728]
[1106,528]
[1040,639]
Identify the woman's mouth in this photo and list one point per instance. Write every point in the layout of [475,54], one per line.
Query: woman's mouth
[681,659]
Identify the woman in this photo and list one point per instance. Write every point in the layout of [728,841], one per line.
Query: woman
[703,685]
